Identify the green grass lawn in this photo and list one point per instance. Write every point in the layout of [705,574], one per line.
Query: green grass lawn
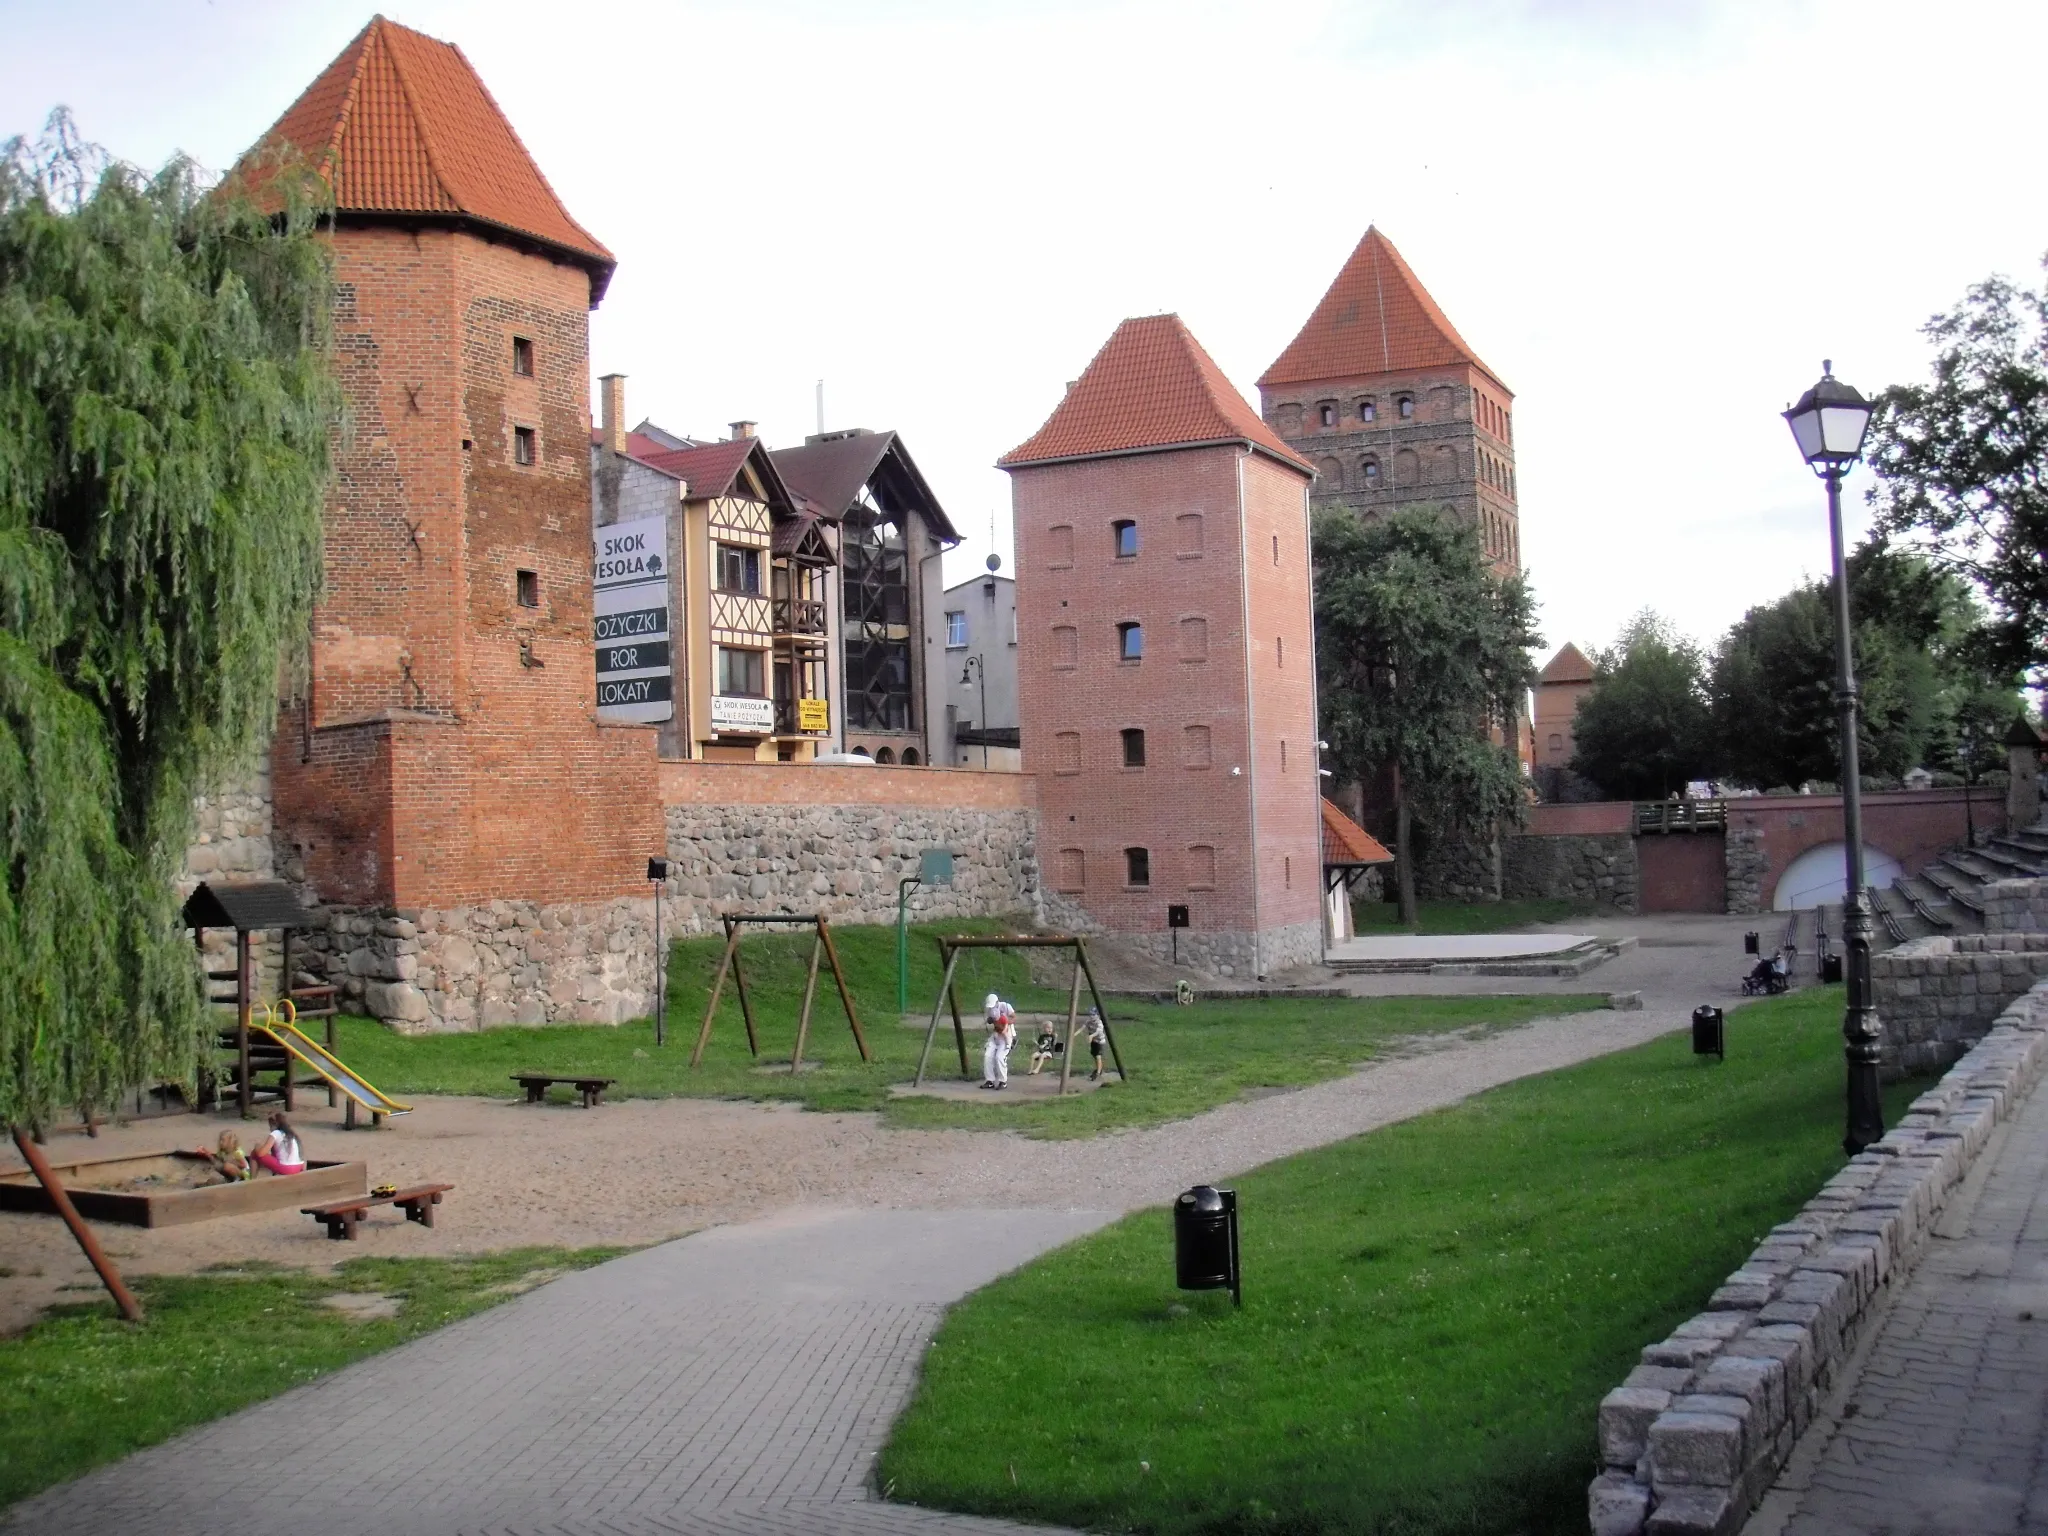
[1182,1060]
[1384,917]
[1432,1311]
[81,1388]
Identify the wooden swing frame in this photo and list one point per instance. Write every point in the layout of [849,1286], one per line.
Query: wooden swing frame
[821,947]
[950,950]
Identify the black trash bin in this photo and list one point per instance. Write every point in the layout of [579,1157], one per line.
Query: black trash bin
[1752,944]
[1831,967]
[1205,1241]
[1708,1038]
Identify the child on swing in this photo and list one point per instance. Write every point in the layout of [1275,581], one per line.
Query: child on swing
[1046,1048]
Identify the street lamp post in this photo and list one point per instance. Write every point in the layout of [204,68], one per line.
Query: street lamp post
[977,667]
[1828,423]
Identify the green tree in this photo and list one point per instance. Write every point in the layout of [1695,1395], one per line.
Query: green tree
[1920,665]
[166,402]
[1962,463]
[1423,657]
[1645,729]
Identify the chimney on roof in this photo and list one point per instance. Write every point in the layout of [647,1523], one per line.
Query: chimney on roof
[1070,385]
[612,411]
[742,429]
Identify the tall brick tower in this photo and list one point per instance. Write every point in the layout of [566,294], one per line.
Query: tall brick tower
[1386,399]
[447,755]
[1166,659]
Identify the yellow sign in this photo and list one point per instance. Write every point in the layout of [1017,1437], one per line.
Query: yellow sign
[813,715]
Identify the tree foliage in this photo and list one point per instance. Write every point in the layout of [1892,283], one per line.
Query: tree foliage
[1645,729]
[1423,655]
[1920,666]
[1962,463]
[166,402]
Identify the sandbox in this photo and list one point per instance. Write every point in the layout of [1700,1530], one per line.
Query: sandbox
[168,1189]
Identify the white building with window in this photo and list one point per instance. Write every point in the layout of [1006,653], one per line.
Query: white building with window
[979,665]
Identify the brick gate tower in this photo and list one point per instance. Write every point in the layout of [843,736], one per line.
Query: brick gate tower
[1383,396]
[446,758]
[1166,660]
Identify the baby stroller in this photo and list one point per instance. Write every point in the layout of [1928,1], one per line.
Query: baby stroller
[1770,977]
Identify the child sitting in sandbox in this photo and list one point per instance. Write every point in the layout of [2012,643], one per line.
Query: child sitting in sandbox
[229,1160]
[282,1154]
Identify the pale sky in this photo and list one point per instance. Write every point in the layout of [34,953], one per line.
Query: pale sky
[1652,220]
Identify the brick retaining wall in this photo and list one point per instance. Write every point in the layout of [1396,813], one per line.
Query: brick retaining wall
[1699,1430]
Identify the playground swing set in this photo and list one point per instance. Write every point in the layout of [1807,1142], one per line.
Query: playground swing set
[822,948]
[953,948]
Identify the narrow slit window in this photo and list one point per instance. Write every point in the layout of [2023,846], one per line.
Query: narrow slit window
[527,585]
[1125,534]
[1134,748]
[1130,642]
[522,445]
[1405,407]
[522,356]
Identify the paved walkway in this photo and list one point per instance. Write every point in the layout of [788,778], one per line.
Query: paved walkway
[738,1381]
[1939,1427]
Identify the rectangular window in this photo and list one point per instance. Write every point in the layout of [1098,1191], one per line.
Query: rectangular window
[742,673]
[1137,866]
[1125,534]
[1130,642]
[522,357]
[522,445]
[527,585]
[1134,748]
[739,568]
[956,629]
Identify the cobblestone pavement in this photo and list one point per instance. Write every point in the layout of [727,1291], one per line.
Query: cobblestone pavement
[1940,1425]
[740,1381]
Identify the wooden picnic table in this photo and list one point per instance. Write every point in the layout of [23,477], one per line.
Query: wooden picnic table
[344,1216]
[537,1085]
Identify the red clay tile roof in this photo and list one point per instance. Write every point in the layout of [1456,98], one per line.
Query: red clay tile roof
[1151,386]
[1376,318]
[1569,665]
[405,126]
[1346,842]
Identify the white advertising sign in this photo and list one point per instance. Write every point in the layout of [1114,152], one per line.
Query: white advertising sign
[735,712]
[635,680]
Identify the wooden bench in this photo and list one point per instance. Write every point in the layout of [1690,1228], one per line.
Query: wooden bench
[344,1216]
[537,1085]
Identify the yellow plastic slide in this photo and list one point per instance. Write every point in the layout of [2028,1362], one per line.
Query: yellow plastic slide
[324,1063]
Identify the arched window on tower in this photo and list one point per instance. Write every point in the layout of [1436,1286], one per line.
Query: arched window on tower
[1369,471]
[1326,413]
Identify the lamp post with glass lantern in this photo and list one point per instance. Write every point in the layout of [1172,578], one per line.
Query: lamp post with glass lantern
[1828,423]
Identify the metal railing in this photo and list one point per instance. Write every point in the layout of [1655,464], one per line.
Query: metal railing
[1680,816]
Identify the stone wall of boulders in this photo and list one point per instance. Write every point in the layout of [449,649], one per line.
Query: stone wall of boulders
[1596,869]
[1457,866]
[1235,956]
[1742,852]
[1937,996]
[230,843]
[1703,1426]
[846,861]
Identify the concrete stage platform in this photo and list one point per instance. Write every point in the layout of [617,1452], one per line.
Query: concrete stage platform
[1478,954]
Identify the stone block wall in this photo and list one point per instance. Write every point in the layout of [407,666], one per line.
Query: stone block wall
[1234,956]
[1937,996]
[231,843]
[1702,1427]
[1747,863]
[1458,867]
[1598,869]
[2016,906]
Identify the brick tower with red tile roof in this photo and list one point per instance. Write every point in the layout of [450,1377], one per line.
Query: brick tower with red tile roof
[1166,659]
[1393,407]
[446,757]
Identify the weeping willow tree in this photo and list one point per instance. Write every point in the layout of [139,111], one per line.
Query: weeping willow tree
[166,402]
